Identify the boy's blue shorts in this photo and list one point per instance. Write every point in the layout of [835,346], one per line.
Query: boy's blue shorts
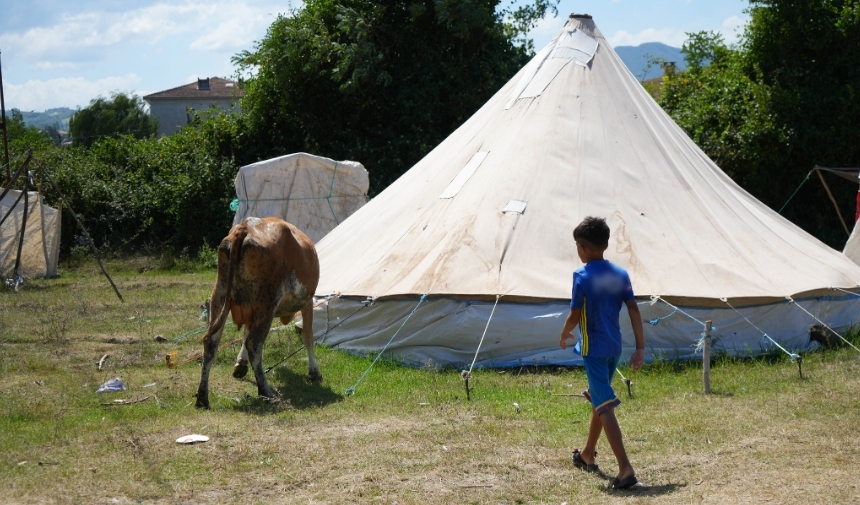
[600,372]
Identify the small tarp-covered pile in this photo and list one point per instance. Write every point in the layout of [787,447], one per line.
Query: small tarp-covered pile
[40,251]
[489,213]
[311,192]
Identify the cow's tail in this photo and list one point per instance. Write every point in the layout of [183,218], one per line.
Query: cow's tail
[218,321]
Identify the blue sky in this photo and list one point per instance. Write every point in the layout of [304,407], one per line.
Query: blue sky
[60,53]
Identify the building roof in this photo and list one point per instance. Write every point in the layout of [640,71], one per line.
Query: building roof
[217,88]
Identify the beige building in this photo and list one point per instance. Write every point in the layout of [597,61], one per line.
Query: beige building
[171,106]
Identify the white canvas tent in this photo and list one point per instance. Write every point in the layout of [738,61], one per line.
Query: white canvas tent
[852,247]
[40,251]
[490,211]
[311,192]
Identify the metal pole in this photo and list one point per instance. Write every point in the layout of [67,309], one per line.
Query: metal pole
[706,358]
[3,125]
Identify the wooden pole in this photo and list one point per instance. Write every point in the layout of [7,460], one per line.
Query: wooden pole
[81,226]
[706,357]
[5,128]
[838,212]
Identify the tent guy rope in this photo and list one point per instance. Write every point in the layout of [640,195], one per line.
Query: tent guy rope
[796,358]
[845,291]
[656,298]
[468,374]
[793,302]
[351,390]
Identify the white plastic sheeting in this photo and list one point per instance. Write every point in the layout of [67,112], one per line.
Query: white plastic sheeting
[313,193]
[446,332]
[40,252]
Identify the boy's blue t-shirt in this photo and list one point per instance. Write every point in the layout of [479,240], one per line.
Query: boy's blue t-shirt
[599,289]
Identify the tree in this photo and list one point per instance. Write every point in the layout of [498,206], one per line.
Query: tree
[780,102]
[121,114]
[378,82]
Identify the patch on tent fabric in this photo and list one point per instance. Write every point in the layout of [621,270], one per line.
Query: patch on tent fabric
[515,206]
[457,184]
[574,45]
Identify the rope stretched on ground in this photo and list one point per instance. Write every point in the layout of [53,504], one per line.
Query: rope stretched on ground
[351,390]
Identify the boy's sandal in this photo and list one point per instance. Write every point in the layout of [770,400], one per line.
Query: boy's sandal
[576,457]
[625,483]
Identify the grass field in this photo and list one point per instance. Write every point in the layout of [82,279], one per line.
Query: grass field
[406,436]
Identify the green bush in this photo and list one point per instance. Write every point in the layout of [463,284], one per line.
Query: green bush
[145,195]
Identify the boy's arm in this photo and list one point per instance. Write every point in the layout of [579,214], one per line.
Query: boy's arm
[569,325]
[638,356]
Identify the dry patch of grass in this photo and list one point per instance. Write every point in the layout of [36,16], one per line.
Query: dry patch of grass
[407,436]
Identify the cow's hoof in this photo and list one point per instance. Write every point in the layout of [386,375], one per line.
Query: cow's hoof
[240,370]
[202,403]
[315,376]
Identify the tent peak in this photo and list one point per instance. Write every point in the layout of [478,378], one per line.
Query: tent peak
[580,16]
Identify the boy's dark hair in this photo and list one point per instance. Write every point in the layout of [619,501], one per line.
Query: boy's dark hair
[593,232]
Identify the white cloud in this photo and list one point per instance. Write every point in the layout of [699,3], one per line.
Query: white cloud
[63,92]
[55,65]
[669,36]
[86,36]
[732,28]
[238,30]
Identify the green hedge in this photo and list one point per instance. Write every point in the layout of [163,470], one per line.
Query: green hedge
[148,194]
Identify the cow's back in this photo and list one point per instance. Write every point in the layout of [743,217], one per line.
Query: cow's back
[279,264]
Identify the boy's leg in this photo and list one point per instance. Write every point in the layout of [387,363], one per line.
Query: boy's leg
[594,429]
[613,435]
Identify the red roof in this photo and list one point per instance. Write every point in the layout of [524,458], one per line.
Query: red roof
[218,88]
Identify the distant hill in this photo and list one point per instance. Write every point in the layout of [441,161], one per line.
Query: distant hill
[636,60]
[59,115]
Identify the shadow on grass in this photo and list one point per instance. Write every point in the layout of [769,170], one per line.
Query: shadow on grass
[645,490]
[296,390]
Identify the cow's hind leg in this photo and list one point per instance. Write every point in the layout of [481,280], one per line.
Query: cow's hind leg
[210,349]
[254,346]
[308,339]
[240,369]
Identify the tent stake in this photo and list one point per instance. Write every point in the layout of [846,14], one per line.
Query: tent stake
[800,366]
[466,375]
[629,384]
[706,358]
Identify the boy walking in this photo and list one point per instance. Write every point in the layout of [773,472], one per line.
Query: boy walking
[599,289]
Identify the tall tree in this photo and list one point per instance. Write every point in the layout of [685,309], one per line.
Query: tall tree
[121,114]
[780,102]
[381,82]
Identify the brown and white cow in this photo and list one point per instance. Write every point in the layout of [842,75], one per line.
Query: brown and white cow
[267,268]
